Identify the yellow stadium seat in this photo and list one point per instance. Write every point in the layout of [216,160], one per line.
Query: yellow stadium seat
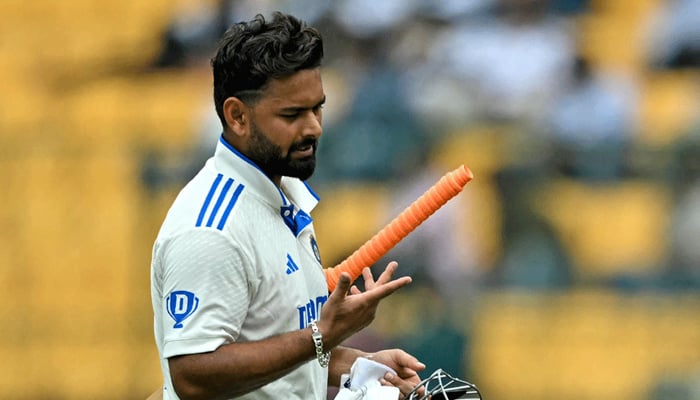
[581,345]
[609,229]
[670,104]
[611,35]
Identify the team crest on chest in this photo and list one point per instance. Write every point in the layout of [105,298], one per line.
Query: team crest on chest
[314,248]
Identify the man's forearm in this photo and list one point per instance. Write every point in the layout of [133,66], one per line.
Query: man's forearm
[238,368]
[342,359]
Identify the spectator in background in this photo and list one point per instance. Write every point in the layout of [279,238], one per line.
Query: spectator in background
[442,341]
[684,262]
[192,33]
[512,63]
[569,7]
[674,35]
[533,255]
[685,266]
[379,122]
[592,123]
[195,27]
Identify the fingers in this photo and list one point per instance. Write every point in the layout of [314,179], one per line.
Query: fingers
[406,367]
[341,288]
[409,363]
[381,291]
[385,277]
[374,291]
[388,273]
[384,291]
[404,386]
[369,279]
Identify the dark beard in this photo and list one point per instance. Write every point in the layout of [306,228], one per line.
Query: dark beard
[268,156]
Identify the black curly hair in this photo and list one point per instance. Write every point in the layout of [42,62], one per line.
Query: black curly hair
[251,53]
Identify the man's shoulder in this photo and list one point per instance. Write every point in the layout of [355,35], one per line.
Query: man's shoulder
[207,201]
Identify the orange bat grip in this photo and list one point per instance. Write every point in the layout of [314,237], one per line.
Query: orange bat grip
[446,188]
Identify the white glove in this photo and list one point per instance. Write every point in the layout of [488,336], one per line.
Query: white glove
[363,382]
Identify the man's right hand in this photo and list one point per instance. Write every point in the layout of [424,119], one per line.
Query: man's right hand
[349,310]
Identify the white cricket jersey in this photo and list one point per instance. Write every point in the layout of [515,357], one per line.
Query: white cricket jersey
[236,260]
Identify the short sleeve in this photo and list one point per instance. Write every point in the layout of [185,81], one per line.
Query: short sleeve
[205,290]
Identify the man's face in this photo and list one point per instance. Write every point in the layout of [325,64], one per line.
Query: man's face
[286,125]
[272,159]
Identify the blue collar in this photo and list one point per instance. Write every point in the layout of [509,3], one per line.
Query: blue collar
[296,222]
[295,206]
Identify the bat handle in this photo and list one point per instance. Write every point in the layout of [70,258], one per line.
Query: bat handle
[410,218]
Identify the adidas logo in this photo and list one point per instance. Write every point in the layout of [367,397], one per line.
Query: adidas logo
[291,265]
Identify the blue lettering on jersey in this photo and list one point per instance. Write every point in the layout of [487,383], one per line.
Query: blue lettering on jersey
[180,305]
[311,311]
[291,265]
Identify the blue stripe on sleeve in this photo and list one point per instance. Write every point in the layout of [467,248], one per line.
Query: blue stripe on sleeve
[229,207]
[205,206]
[219,201]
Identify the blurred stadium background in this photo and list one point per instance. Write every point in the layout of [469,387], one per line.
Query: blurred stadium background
[568,269]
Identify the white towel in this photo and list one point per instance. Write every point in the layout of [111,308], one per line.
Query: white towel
[363,382]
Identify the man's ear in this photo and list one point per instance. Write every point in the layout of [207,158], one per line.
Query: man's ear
[236,115]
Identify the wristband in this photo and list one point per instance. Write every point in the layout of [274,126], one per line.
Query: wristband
[323,358]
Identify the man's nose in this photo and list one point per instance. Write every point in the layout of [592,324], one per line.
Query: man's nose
[313,125]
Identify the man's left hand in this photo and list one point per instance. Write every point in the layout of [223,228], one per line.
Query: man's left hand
[406,367]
